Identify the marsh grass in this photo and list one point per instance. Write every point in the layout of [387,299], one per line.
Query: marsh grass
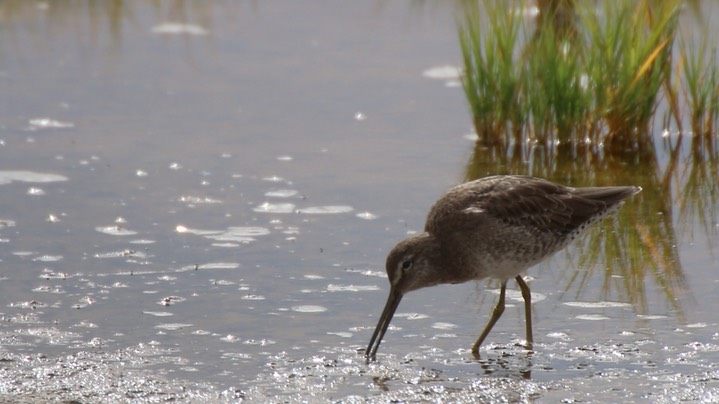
[628,59]
[701,88]
[491,82]
[592,82]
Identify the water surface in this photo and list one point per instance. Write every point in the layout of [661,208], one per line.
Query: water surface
[197,200]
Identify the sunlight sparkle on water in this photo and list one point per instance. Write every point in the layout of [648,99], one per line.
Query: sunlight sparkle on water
[325,210]
[281,193]
[309,309]
[174,28]
[275,208]
[115,230]
[7,177]
[597,305]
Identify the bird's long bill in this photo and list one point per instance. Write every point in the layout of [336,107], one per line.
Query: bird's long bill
[392,302]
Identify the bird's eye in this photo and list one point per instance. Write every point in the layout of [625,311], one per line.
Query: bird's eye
[406,264]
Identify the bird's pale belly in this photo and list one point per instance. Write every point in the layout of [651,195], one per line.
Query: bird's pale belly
[506,264]
[506,269]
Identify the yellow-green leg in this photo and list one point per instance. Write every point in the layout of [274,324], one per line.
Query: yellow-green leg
[527,295]
[496,314]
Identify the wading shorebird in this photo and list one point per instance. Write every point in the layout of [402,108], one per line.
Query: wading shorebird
[493,227]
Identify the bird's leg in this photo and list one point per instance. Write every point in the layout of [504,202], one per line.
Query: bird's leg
[527,295]
[496,314]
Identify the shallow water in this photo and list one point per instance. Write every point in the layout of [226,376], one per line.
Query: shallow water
[200,211]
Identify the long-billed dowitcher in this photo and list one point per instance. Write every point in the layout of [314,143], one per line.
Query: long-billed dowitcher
[494,227]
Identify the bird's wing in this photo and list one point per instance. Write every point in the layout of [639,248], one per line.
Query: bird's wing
[533,203]
[541,206]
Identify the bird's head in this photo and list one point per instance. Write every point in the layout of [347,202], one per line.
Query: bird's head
[413,264]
